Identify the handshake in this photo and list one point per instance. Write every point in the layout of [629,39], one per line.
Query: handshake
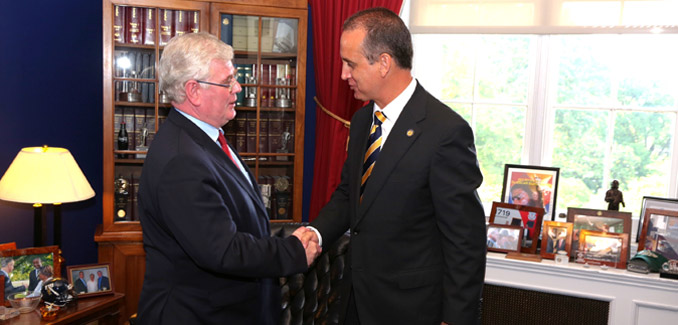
[310,241]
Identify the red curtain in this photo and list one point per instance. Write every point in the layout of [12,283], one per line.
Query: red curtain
[332,92]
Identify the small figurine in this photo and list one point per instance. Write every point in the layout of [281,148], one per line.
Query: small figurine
[614,196]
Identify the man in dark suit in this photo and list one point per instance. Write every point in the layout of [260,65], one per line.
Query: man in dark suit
[80,285]
[209,255]
[417,250]
[6,268]
[103,283]
[33,277]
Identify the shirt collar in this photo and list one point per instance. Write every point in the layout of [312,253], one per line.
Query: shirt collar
[210,130]
[393,109]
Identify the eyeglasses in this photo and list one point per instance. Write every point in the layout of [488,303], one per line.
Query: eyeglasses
[227,86]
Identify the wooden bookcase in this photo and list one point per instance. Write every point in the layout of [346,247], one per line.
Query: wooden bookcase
[269,40]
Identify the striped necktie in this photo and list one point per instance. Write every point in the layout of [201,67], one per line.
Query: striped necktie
[373,149]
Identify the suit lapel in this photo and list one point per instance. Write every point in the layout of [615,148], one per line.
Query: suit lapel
[402,136]
[215,151]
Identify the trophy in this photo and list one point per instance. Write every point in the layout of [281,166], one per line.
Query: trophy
[285,138]
[282,195]
[143,136]
[121,199]
[250,92]
[163,98]
[130,90]
[282,95]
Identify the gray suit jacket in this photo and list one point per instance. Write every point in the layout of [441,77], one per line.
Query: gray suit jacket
[418,237]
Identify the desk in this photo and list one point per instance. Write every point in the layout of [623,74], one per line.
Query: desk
[105,309]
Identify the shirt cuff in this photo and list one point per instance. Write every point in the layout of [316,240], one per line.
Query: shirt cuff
[317,233]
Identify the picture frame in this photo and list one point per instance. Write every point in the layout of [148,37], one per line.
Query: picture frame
[617,222]
[555,236]
[2,289]
[99,274]
[23,264]
[660,233]
[654,202]
[535,186]
[603,248]
[527,217]
[504,238]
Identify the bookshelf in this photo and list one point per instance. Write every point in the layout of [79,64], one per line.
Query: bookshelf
[269,41]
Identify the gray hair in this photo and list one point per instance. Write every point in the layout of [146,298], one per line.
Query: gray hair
[188,57]
[4,261]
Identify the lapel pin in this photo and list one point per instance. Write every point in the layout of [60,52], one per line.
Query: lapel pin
[410,132]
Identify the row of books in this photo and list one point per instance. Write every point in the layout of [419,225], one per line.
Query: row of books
[139,123]
[276,132]
[137,25]
[137,64]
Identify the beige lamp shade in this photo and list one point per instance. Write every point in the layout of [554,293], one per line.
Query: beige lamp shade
[44,175]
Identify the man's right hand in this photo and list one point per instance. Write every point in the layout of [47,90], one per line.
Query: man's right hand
[310,242]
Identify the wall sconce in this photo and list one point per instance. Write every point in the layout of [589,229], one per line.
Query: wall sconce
[45,175]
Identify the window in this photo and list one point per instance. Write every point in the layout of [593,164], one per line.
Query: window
[600,107]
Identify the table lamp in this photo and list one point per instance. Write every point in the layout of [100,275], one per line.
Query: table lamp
[45,175]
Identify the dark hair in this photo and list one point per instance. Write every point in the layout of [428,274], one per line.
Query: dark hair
[386,33]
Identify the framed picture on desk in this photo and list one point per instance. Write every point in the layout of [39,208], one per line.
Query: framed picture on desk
[529,218]
[615,222]
[660,233]
[26,264]
[603,248]
[90,279]
[534,186]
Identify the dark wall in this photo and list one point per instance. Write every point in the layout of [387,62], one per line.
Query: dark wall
[51,93]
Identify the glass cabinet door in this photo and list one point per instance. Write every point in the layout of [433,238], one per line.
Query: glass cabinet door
[268,128]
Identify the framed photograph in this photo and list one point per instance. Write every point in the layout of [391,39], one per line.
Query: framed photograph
[660,233]
[597,220]
[503,238]
[527,217]
[533,186]
[603,248]
[652,202]
[556,236]
[2,289]
[23,264]
[91,279]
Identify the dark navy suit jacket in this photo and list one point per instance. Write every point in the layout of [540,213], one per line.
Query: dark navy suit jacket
[209,257]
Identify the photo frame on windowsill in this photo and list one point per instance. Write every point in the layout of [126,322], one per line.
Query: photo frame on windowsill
[653,202]
[23,263]
[603,248]
[90,280]
[527,217]
[597,220]
[556,236]
[534,186]
[660,233]
[504,238]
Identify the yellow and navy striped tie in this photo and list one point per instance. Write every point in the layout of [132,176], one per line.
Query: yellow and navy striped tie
[373,148]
